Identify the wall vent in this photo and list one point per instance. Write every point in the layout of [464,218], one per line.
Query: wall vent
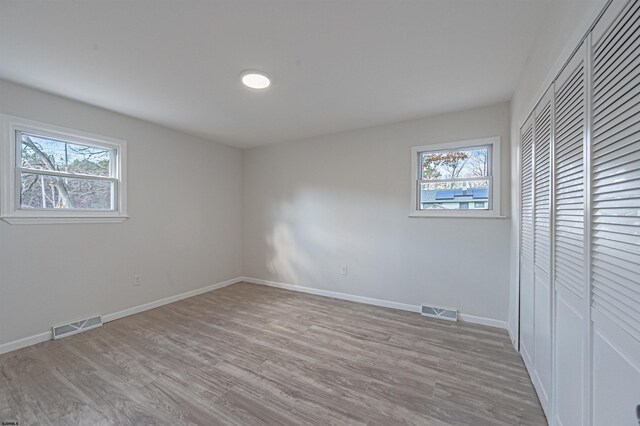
[440,313]
[76,327]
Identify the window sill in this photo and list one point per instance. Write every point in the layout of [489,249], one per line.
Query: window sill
[26,220]
[456,216]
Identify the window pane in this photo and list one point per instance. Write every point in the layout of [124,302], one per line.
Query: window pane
[453,164]
[52,192]
[471,195]
[49,154]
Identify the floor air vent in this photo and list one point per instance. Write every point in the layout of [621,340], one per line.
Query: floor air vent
[440,313]
[76,327]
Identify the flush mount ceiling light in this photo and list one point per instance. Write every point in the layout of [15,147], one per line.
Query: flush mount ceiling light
[255,80]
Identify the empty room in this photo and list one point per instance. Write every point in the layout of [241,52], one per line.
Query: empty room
[320,212]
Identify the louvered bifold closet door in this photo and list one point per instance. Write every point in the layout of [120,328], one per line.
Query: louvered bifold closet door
[570,117]
[526,244]
[526,210]
[569,266]
[615,193]
[616,172]
[542,185]
[542,248]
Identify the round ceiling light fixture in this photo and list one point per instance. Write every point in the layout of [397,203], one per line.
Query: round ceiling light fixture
[255,79]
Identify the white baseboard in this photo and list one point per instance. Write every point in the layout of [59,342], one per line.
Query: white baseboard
[335,295]
[370,301]
[556,421]
[26,341]
[491,322]
[513,336]
[543,397]
[44,336]
[167,300]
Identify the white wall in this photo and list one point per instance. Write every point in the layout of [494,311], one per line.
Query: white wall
[314,205]
[183,234]
[566,23]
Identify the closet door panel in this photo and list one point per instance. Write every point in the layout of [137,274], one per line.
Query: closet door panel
[616,187]
[542,188]
[543,350]
[526,245]
[527,317]
[543,126]
[569,391]
[570,272]
[616,378]
[615,239]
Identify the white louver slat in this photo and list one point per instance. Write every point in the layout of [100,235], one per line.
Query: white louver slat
[526,210]
[569,189]
[616,172]
[542,188]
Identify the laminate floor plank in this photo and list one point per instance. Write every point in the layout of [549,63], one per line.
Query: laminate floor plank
[254,355]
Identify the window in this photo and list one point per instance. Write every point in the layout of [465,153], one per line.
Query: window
[55,175]
[456,179]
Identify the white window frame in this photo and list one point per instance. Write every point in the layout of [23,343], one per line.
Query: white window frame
[9,168]
[494,179]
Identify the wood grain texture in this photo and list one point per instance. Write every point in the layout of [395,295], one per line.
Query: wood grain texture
[249,355]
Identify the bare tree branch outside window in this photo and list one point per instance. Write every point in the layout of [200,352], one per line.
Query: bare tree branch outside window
[47,191]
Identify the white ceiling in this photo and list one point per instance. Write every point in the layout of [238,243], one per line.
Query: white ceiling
[335,65]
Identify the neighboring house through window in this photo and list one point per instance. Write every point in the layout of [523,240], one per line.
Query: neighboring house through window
[456,179]
[56,175]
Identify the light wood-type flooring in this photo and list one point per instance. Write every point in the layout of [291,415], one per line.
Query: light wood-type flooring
[249,355]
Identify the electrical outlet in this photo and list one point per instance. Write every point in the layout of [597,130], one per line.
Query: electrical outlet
[137,280]
[343,270]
